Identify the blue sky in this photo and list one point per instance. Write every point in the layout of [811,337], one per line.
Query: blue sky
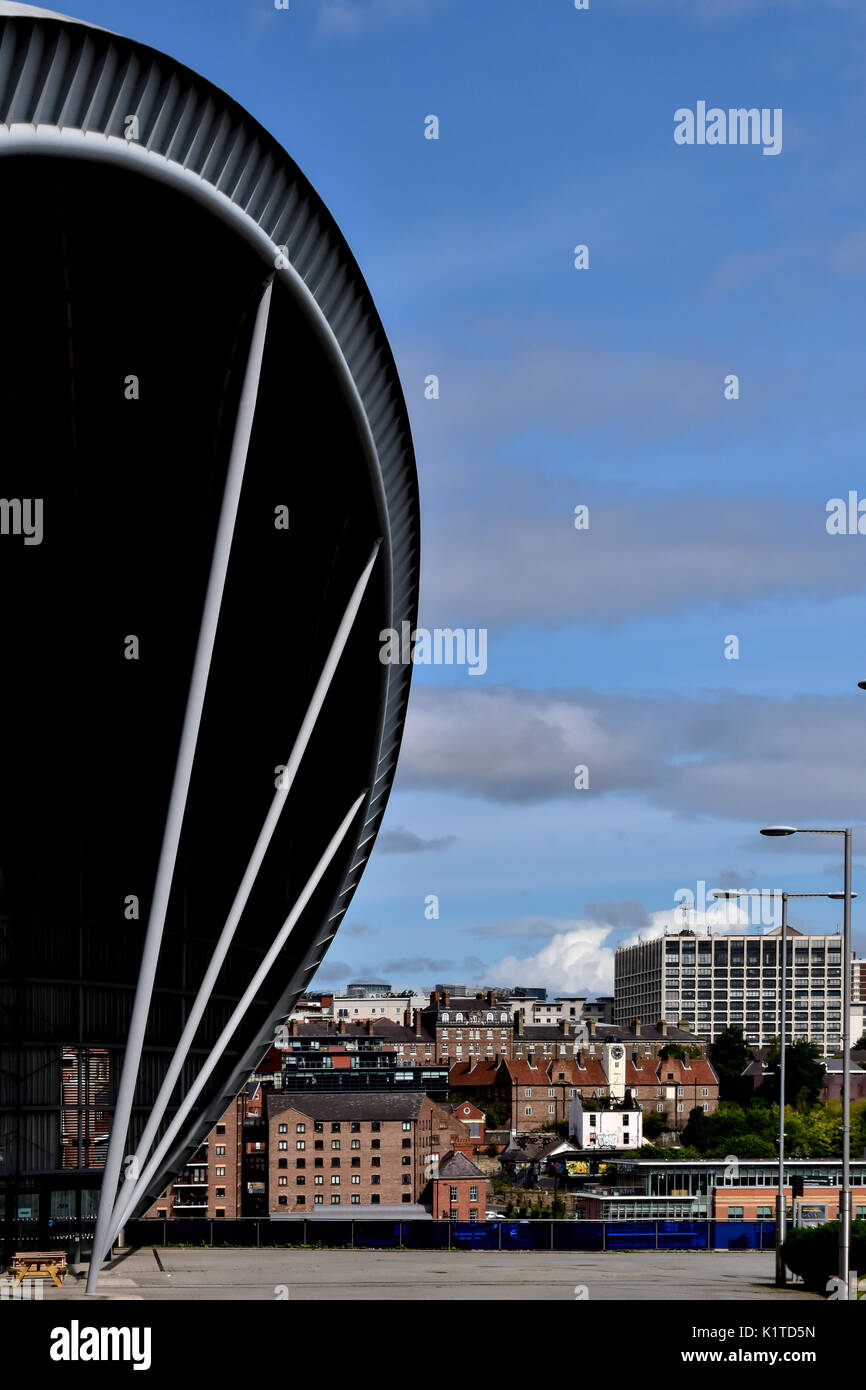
[603,387]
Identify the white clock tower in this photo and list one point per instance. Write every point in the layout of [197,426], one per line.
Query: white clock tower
[613,1062]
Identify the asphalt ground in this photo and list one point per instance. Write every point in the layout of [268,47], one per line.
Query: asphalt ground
[413,1275]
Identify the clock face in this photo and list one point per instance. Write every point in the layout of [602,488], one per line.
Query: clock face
[616,1053]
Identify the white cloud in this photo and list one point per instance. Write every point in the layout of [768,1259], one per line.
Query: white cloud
[579,959]
[758,759]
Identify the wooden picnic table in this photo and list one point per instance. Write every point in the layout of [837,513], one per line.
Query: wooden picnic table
[40,1264]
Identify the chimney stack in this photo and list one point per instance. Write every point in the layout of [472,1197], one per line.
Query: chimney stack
[685,1025]
[590,1027]
[371,1026]
[341,1026]
[293,1028]
[662,1027]
[416,1022]
[491,997]
[434,997]
[446,997]
[407,1018]
[564,1027]
[518,1024]
[635,1027]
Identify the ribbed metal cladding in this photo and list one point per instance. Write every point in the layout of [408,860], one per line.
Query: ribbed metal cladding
[65,73]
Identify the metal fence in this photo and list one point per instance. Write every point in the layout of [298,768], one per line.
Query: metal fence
[458,1235]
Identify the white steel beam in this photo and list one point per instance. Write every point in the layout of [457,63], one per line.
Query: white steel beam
[126,1200]
[180,786]
[266,833]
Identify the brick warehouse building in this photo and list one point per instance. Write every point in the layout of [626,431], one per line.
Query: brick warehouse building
[211,1184]
[357,1149]
[459,1190]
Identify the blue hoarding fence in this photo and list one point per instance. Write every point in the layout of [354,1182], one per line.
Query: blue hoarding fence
[458,1235]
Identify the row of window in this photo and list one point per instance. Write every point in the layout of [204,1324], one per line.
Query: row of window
[375,1162]
[318,1200]
[475,1018]
[458,1033]
[355,1127]
[301,1144]
[355,1180]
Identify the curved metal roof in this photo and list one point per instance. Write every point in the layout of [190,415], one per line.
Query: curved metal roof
[15,11]
[69,87]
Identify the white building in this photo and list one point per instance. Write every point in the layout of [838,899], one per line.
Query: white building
[713,981]
[617,1126]
[357,1009]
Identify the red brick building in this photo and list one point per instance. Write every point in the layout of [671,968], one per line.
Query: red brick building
[759,1203]
[473,1121]
[673,1087]
[538,1092]
[464,1027]
[354,1149]
[459,1190]
[211,1184]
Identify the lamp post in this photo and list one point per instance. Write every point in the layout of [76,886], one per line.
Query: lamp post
[846,895]
[781,1213]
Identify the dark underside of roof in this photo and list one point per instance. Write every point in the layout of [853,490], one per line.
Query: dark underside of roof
[109,277]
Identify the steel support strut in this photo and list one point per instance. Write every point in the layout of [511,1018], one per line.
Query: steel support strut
[126,1200]
[180,786]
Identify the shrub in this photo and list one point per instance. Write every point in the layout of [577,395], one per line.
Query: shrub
[812,1252]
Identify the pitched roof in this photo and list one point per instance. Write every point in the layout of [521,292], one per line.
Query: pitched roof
[525,1148]
[472,1112]
[648,1033]
[348,1105]
[568,1069]
[473,1073]
[524,1073]
[384,1028]
[588,1071]
[457,1165]
[691,1072]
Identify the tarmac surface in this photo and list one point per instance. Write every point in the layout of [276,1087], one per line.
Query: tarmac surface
[423,1275]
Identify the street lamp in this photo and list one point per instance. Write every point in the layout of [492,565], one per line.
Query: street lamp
[845,1191]
[783,995]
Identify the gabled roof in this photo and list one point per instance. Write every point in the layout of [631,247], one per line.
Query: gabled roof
[348,1105]
[588,1071]
[648,1033]
[569,1070]
[693,1071]
[521,1072]
[385,1029]
[473,1073]
[526,1148]
[472,1111]
[457,1165]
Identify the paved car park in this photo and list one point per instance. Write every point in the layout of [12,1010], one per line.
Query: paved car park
[411,1275]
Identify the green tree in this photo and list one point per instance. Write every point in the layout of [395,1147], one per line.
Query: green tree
[654,1124]
[730,1054]
[746,1131]
[814,1133]
[804,1074]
